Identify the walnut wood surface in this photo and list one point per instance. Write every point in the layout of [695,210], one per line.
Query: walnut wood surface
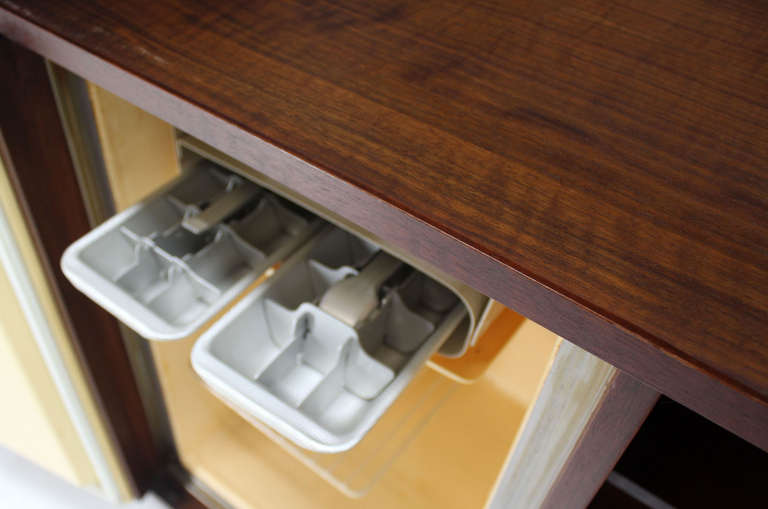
[598,166]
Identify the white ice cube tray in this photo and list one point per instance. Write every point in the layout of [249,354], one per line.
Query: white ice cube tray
[169,264]
[316,380]
[164,281]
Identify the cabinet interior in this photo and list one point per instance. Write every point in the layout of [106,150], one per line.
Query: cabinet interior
[464,441]
[680,459]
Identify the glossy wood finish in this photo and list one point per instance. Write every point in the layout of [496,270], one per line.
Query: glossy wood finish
[620,413]
[597,166]
[36,156]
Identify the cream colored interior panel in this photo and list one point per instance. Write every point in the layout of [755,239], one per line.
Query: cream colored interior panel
[138,149]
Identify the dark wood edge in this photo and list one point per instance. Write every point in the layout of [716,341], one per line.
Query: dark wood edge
[37,158]
[712,395]
[174,487]
[621,411]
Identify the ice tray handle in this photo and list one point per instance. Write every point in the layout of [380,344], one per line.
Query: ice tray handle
[353,298]
[226,205]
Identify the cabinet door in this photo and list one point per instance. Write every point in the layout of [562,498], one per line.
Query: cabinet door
[91,371]
[50,412]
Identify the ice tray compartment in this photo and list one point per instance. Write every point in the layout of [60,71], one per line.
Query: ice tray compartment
[202,186]
[225,260]
[309,375]
[162,279]
[269,225]
[338,249]
[394,332]
[426,297]
[315,350]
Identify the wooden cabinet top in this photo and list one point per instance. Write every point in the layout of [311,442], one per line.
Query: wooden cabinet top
[601,167]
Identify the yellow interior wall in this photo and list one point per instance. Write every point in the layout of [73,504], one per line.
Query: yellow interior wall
[138,148]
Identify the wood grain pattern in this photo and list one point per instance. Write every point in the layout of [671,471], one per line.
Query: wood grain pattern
[620,413]
[598,167]
[36,156]
[570,395]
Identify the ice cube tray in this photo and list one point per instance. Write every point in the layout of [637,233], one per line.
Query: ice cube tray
[169,264]
[163,280]
[308,375]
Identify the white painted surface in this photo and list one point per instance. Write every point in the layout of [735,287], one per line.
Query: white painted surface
[24,485]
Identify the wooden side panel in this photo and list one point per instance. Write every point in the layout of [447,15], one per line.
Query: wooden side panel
[622,410]
[36,156]
[584,416]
